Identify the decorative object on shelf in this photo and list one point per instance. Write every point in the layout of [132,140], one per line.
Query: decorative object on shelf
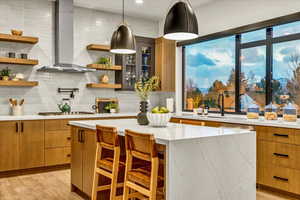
[271,111]
[16,32]
[112,107]
[105,61]
[123,40]
[104,79]
[11,54]
[181,22]
[143,89]
[24,55]
[253,111]
[16,108]
[19,76]
[290,113]
[64,106]
[159,116]
[5,74]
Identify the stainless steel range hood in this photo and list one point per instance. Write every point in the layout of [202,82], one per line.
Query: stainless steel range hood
[64,40]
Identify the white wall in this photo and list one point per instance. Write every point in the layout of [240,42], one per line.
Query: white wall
[36,18]
[222,15]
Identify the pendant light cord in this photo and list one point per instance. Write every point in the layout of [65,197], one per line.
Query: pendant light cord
[123,15]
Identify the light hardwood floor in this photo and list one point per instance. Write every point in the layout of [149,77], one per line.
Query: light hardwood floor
[56,186]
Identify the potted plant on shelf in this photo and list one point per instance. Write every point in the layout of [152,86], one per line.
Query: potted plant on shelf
[112,107]
[143,89]
[5,74]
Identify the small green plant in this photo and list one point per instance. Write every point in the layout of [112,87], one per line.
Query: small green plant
[143,88]
[111,106]
[5,72]
[104,61]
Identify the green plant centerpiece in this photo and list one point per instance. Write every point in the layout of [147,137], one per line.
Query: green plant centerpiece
[5,74]
[143,88]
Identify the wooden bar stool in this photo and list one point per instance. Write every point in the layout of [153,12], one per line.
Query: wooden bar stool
[107,138]
[141,183]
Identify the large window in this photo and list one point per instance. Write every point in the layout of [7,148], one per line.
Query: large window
[256,67]
[210,68]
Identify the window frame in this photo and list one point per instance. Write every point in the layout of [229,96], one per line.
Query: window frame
[237,32]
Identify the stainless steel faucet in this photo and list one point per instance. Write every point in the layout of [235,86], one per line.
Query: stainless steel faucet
[221,98]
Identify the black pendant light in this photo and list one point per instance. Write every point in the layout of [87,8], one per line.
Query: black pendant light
[123,40]
[181,22]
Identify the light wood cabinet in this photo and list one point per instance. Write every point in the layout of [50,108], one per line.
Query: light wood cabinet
[9,146]
[57,156]
[83,158]
[165,61]
[32,144]
[21,145]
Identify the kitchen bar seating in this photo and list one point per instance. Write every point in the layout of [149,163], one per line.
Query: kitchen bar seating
[144,181]
[107,139]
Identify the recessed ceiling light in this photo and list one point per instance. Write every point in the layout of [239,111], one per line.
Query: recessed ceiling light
[139,1]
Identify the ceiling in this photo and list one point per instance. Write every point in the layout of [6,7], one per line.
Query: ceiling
[150,9]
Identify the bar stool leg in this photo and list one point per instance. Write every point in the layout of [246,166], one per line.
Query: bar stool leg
[115,171]
[154,174]
[127,168]
[96,175]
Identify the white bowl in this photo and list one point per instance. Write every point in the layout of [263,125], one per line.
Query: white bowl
[159,119]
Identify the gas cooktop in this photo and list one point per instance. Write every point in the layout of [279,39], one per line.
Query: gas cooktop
[61,113]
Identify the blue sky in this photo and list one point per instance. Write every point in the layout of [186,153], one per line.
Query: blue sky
[213,60]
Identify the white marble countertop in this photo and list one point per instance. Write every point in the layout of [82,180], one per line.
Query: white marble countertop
[173,131]
[241,119]
[41,117]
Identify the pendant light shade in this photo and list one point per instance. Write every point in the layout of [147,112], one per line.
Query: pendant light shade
[181,22]
[123,40]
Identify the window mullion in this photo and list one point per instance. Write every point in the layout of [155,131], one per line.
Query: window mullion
[237,73]
[269,64]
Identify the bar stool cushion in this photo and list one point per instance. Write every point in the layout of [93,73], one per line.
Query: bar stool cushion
[141,176]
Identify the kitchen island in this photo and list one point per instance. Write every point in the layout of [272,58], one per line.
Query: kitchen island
[200,163]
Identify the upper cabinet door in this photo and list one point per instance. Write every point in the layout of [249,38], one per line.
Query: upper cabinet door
[9,146]
[32,144]
[145,57]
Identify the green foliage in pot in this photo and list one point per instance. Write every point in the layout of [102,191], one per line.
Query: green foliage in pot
[104,61]
[5,73]
[143,88]
[111,106]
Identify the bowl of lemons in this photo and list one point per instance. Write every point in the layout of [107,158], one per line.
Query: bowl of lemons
[159,116]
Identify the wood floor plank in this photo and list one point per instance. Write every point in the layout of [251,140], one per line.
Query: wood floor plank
[56,186]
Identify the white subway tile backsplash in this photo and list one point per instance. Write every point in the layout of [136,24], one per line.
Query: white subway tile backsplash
[36,18]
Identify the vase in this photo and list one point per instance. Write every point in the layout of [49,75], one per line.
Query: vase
[142,116]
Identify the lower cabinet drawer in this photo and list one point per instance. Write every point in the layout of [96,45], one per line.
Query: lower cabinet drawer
[280,178]
[57,156]
[57,139]
[279,154]
[282,135]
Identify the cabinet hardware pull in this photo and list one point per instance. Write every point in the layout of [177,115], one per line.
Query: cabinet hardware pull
[17,127]
[68,138]
[79,133]
[281,135]
[22,127]
[69,155]
[281,155]
[281,179]
[82,136]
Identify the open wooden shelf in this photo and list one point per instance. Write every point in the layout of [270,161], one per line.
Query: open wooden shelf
[19,83]
[98,47]
[18,61]
[102,85]
[20,39]
[104,67]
